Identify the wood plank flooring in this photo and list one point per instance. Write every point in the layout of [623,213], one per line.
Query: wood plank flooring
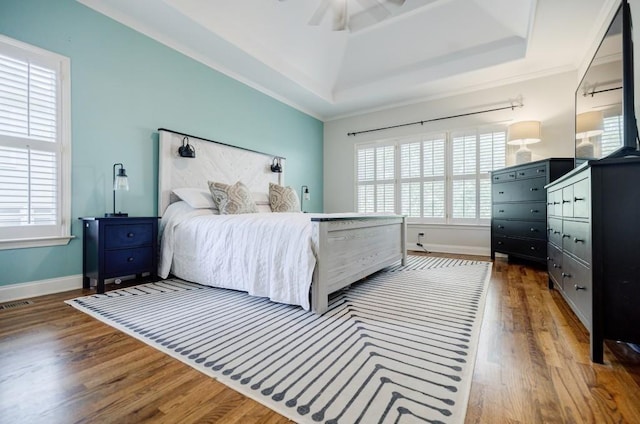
[58,365]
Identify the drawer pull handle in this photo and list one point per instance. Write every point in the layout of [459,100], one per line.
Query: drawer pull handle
[549,203]
[540,171]
[533,230]
[501,227]
[575,199]
[533,189]
[520,173]
[566,236]
[512,175]
[566,201]
[564,274]
[556,203]
[557,266]
[496,178]
[534,211]
[577,240]
[130,235]
[501,211]
[501,192]
[548,258]
[577,287]
[556,232]
[130,259]
[499,242]
[532,248]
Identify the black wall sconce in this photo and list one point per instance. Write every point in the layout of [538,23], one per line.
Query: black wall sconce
[186,150]
[276,165]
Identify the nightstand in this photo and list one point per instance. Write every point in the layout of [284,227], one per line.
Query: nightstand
[117,247]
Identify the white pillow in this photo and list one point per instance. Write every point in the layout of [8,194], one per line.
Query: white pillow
[197,198]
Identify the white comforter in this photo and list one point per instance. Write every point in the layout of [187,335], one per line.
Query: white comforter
[265,254]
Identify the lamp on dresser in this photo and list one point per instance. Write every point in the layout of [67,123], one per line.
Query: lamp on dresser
[521,134]
[588,125]
[120,182]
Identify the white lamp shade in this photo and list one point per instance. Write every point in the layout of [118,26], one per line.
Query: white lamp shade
[589,124]
[525,132]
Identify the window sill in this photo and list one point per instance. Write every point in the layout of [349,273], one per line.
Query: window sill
[35,242]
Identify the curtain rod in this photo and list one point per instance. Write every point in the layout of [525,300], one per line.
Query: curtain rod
[512,107]
[221,143]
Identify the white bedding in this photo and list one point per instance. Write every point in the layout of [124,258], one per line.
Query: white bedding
[265,254]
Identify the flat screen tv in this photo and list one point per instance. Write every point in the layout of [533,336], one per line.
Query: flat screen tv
[605,118]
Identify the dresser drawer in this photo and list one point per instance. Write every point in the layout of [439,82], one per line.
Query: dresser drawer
[578,288]
[554,264]
[534,171]
[554,231]
[128,261]
[525,211]
[130,235]
[576,239]
[531,189]
[504,176]
[521,247]
[567,201]
[581,191]
[527,229]
[554,203]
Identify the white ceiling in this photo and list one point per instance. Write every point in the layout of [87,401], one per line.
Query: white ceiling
[426,49]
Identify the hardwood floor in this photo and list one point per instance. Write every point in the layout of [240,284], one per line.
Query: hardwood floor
[58,365]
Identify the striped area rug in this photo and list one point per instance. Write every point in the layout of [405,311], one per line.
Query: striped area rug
[397,347]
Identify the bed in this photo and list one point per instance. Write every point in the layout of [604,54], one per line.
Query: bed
[294,258]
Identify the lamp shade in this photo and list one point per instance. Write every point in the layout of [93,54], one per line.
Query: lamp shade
[525,132]
[120,181]
[589,124]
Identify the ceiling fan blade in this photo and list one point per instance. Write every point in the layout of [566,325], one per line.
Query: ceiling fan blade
[322,9]
[375,9]
[340,15]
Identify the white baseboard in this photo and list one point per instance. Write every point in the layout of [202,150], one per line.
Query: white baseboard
[455,249]
[40,288]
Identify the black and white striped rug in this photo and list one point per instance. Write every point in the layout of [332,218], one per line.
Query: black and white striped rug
[397,347]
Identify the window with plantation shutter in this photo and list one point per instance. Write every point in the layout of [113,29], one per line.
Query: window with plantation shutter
[375,170]
[437,178]
[34,146]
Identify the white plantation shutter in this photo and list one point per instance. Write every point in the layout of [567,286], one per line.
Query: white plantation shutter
[440,178]
[422,178]
[611,139]
[375,170]
[33,201]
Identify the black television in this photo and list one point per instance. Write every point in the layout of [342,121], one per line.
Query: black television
[605,124]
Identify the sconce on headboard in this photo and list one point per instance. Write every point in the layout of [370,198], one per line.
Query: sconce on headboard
[276,166]
[186,150]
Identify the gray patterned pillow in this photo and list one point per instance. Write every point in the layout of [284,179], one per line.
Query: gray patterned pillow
[232,199]
[283,199]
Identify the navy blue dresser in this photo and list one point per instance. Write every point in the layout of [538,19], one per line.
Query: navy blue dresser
[118,247]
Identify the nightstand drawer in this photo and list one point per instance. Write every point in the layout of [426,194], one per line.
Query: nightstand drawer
[128,261]
[131,235]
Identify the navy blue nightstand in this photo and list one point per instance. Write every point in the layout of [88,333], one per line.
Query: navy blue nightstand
[116,247]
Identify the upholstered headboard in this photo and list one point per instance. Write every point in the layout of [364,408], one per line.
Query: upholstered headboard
[213,161]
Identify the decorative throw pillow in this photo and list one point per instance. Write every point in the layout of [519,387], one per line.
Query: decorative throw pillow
[232,199]
[283,199]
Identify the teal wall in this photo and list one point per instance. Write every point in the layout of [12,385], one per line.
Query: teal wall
[124,86]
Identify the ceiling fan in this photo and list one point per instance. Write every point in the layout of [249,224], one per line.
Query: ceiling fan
[374,11]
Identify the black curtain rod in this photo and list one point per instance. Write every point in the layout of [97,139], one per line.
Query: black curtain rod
[592,93]
[512,107]
[219,142]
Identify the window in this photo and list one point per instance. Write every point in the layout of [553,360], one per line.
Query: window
[34,146]
[612,137]
[438,178]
